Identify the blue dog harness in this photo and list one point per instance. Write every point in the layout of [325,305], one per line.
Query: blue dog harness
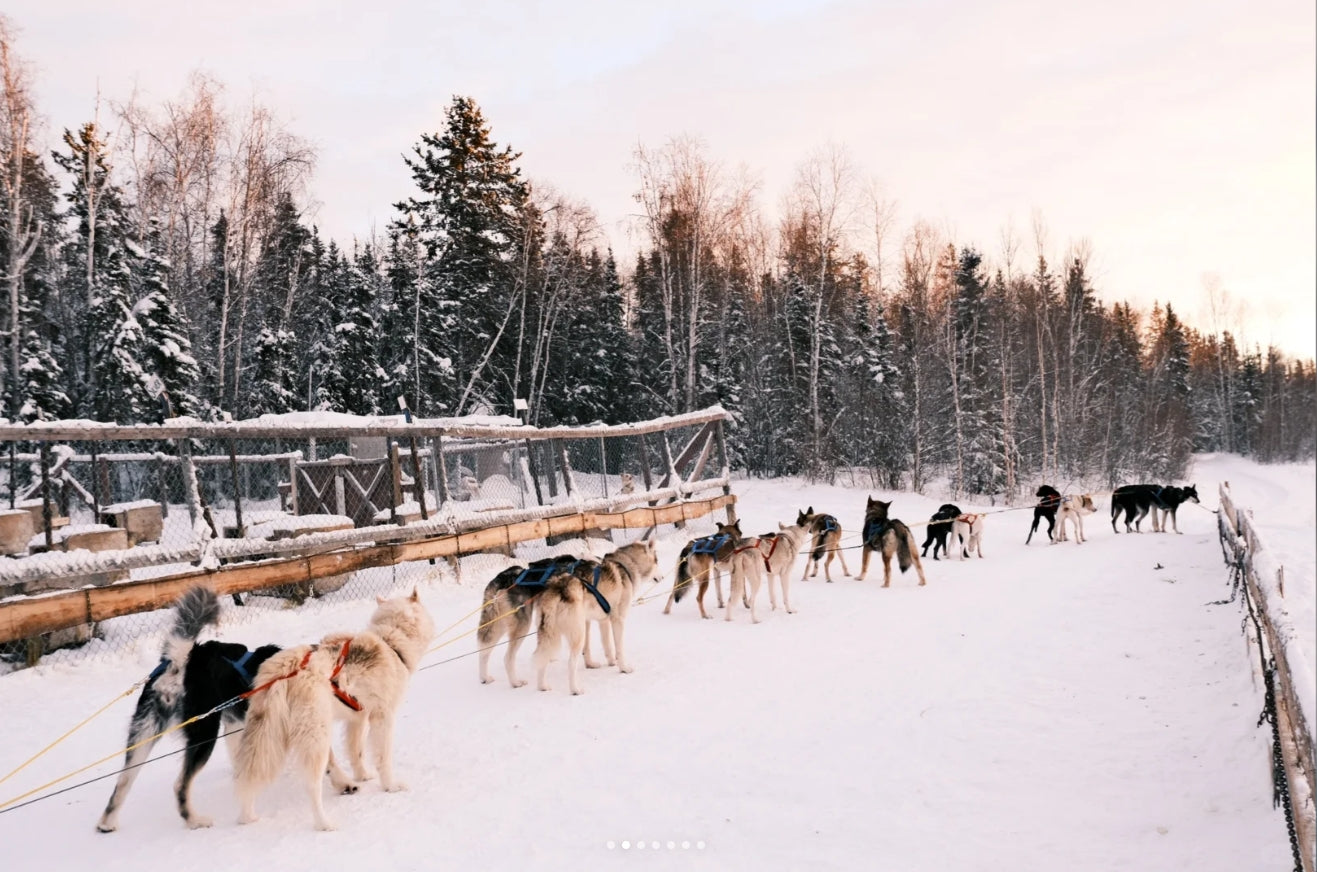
[1157,498]
[538,577]
[159,670]
[874,528]
[829,524]
[709,544]
[241,666]
[593,587]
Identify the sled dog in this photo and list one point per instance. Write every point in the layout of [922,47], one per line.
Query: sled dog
[191,679]
[1049,500]
[591,591]
[772,554]
[939,528]
[709,555]
[888,536]
[967,534]
[509,610]
[1136,500]
[360,678]
[826,539]
[1073,509]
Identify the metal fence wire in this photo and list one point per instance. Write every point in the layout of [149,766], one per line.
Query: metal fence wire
[102,509]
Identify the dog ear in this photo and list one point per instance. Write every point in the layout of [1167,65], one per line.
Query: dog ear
[379,600]
[870,502]
[416,594]
[781,526]
[809,511]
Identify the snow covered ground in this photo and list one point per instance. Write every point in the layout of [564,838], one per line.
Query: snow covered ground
[1049,706]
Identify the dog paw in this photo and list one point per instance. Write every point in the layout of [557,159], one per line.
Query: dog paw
[577,692]
[627,668]
[326,826]
[248,818]
[199,822]
[487,679]
[396,787]
[521,683]
[592,664]
[106,828]
[347,789]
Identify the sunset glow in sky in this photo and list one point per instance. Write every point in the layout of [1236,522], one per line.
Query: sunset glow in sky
[1176,138]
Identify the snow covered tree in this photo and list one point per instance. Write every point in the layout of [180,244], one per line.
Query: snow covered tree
[166,348]
[467,219]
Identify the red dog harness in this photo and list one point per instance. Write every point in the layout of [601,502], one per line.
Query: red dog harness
[343,696]
[768,566]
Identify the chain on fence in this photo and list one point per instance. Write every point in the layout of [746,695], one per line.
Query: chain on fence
[163,508]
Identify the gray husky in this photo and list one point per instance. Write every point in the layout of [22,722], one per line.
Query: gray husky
[592,591]
[510,600]
[888,536]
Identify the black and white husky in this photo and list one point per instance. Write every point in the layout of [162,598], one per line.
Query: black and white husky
[191,680]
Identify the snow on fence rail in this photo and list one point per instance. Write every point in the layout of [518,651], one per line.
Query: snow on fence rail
[1263,583]
[110,520]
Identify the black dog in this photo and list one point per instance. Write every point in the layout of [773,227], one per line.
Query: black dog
[939,528]
[1049,501]
[191,680]
[1136,500]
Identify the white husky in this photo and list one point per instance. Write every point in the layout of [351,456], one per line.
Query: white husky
[967,535]
[773,554]
[360,678]
[1073,509]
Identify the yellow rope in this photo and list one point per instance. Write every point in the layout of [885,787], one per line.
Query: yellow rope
[77,727]
[108,757]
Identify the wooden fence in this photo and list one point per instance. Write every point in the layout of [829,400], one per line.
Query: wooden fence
[1266,594]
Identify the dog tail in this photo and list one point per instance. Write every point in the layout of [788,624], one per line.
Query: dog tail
[495,603]
[265,737]
[683,582]
[905,544]
[196,609]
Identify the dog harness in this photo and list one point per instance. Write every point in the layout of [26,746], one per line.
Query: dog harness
[829,524]
[755,547]
[593,587]
[159,670]
[1157,498]
[538,576]
[272,682]
[873,529]
[709,544]
[241,666]
[969,519]
[343,696]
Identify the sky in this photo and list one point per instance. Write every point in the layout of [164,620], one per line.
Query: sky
[1175,139]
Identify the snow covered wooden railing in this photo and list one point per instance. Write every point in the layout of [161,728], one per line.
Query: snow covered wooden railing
[1296,696]
[572,483]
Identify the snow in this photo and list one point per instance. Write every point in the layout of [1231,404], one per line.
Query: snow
[291,525]
[1049,706]
[123,507]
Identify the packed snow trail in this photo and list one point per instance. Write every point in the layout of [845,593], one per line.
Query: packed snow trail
[1047,706]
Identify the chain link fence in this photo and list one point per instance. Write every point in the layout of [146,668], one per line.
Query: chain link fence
[96,524]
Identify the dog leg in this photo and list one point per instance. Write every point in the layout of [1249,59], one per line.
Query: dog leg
[887,569]
[547,644]
[381,740]
[607,637]
[784,579]
[699,597]
[338,778]
[575,648]
[842,557]
[590,662]
[487,640]
[737,586]
[314,763]
[864,562]
[200,737]
[143,725]
[718,585]
[520,629]
[356,731]
[618,620]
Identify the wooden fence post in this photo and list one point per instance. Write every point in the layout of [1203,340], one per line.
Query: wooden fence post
[45,495]
[726,473]
[237,498]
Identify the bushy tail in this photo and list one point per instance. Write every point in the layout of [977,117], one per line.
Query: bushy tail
[265,736]
[820,548]
[683,582]
[196,609]
[551,602]
[904,546]
[495,603]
